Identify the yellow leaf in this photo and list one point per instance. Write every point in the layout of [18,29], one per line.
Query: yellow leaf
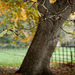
[28,46]
[14,42]
[74,13]
[1,22]
[27,39]
[19,38]
[61,41]
[15,37]
[69,17]
[52,1]
[4,13]
[32,34]
[14,3]
[3,19]
[24,17]
[0,14]
[34,0]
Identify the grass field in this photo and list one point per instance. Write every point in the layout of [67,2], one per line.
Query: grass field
[14,57]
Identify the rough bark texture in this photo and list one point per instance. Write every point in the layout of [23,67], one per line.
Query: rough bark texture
[38,56]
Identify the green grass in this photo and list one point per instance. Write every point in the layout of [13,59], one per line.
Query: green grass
[14,57]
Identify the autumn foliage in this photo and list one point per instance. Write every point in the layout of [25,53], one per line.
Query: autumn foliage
[21,18]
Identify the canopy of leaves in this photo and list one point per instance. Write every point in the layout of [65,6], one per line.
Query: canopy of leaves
[21,18]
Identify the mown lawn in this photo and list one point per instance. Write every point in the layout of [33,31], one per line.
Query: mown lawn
[12,57]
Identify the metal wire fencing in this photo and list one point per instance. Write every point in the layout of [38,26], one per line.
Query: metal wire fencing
[64,55]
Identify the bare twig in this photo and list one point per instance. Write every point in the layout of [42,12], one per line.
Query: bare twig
[66,31]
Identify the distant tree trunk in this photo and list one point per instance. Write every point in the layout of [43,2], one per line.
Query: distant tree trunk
[44,43]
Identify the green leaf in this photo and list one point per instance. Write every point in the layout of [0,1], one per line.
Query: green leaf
[6,0]
[29,6]
[13,0]
[39,13]
[4,32]
[9,32]
[74,32]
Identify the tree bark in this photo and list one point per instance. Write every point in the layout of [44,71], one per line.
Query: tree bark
[45,40]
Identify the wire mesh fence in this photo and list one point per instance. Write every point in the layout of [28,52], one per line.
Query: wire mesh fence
[64,55]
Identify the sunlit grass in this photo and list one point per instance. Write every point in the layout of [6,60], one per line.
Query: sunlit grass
[11,57]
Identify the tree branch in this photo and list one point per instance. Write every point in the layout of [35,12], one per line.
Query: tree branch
[66,31]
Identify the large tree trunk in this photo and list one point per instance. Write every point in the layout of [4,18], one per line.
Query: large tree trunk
[38,56]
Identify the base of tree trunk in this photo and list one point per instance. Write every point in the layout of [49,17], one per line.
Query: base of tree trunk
[45,72]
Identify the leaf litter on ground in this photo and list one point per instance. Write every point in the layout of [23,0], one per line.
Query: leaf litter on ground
[57,69]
